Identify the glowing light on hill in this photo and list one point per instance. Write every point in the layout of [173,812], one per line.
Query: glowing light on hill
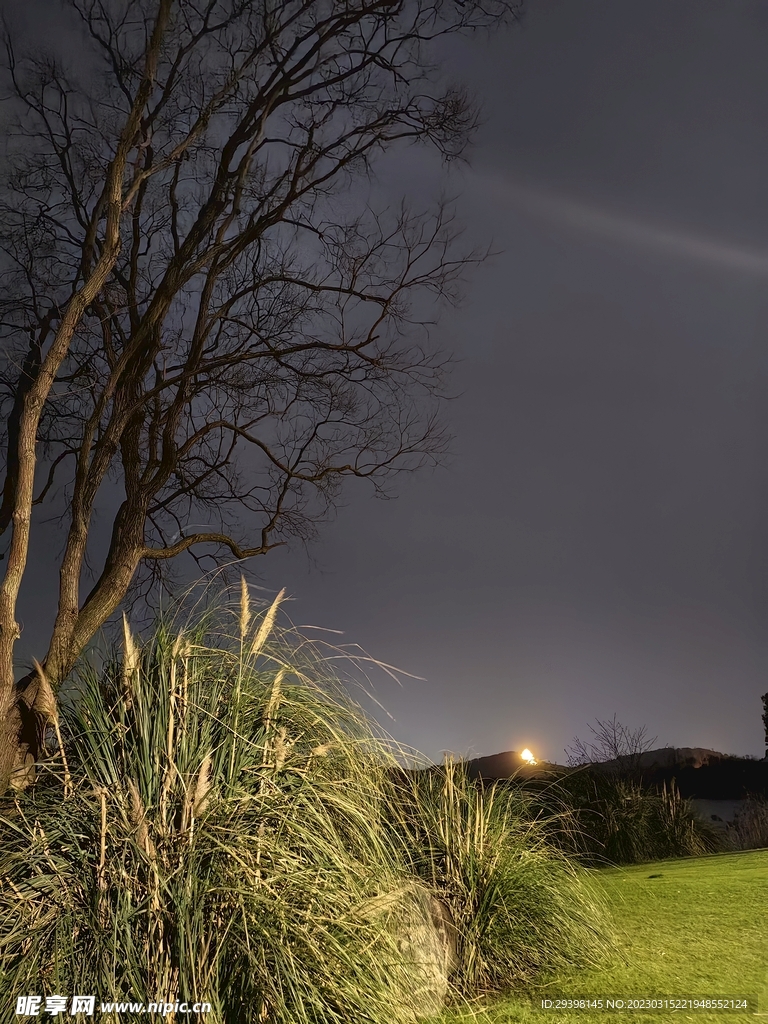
[528,756]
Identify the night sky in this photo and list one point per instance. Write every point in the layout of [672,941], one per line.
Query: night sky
[596,543]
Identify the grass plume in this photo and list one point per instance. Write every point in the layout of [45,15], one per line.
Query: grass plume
[232,835]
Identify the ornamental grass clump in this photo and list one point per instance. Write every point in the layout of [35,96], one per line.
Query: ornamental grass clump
[749,831]
[222,838]
[521,909]
[622,821]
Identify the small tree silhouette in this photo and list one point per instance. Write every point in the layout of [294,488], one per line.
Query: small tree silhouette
[764,699]
[613,742]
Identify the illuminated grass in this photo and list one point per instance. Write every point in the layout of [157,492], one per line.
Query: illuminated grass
[522,908]
[223,841]
[227,834]
[692,927]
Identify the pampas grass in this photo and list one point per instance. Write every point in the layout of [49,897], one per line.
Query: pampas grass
[521,908]
[231,833]
[620,821]
[206,852]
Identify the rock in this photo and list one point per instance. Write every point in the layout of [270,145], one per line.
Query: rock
[427,938]
[442,919]
[425,933]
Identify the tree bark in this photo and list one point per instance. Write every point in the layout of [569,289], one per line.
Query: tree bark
[12,754]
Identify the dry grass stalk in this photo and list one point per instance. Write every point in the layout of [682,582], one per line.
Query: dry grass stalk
[281,748]
[266,624]
[44,701]
[245,608]
[180,648]
[130,661]
[169,771]
[138,817]
[103,839]
[203,786]
[259,843]
[101,879]
[38,829]
[45,704]
[274,699]
[274,746]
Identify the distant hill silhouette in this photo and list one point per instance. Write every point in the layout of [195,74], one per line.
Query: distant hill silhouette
[507,764]
[668,757]
[697,771]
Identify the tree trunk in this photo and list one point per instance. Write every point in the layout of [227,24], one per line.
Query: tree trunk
[24,722]
[94,278]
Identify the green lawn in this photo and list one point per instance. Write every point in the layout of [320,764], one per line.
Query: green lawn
[696,927]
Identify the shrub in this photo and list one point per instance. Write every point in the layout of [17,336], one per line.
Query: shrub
[223,840]
[520,907]
[623,822]
[750,828]
[230,827]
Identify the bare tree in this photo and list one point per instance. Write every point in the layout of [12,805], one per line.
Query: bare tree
[764,699]
[193,302]
[612,742]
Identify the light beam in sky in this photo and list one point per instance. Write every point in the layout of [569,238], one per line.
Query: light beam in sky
[672,241]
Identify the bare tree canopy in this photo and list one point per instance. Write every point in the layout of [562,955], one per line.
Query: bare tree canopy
[193,303]
[612,742]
